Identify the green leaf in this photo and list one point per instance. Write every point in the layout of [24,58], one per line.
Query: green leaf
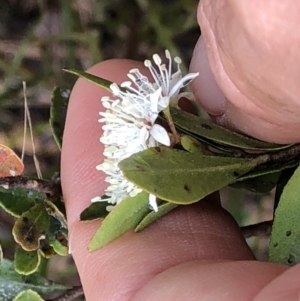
[269,168]
[28,295]
[181,177]
[30,227]
[124,217]
[94,211]
[209,131]
[285,238]
[284,178]
[260,184]
[152,216]
[53,210]
[26,262]
[12,283]
[103,83]
[58,113]
[59,248]
[58,237]
[192,145]
[45,249]
[16,201]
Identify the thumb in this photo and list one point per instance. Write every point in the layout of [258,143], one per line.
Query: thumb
[249,66]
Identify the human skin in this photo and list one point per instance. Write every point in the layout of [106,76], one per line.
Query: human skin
[195,252]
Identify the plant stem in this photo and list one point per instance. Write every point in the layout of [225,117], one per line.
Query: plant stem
[51,189]
[285,154]
[71,294]
[263,228]
[171,124]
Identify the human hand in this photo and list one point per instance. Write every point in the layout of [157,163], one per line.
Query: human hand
[253,52]
[195,252]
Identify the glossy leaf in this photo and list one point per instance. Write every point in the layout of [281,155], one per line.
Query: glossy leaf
[94,211]
[12,283]
[103,83]
[210,131]
[124,217]
[28,295]
[285,238]
[181,177]
[16,201]
[58,112]
[152,216]
[30,227]
[26,262]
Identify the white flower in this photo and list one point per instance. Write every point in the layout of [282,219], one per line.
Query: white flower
[130,122]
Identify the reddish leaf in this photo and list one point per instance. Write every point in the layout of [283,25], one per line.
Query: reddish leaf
[10,163]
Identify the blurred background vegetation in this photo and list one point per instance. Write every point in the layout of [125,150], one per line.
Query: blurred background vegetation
[38,38]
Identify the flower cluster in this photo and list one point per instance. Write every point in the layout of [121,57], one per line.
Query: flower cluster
[129,122]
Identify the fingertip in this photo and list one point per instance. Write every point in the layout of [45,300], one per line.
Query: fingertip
[284,287]
[205,87]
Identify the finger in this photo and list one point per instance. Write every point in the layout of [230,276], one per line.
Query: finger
[210,281]
[202,231]
[252,49]
[284,287]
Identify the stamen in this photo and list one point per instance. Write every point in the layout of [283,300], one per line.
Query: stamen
[177,60]
[129,122]
[148,63]
[134,70]
[156,59]
[132,77]
[168,54]
[126,84]
[105,98]
[115,89]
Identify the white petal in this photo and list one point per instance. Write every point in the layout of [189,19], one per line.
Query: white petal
[152,202]
[164,102]
[154,100]
[182,83]
[129,122]
[144,135]
[160,134]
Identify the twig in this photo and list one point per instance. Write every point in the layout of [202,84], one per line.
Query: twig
[51,189]
[71,294]
[263,228]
